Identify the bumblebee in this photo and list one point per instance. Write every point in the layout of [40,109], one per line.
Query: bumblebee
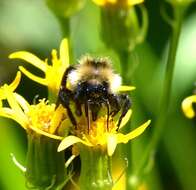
[92,84]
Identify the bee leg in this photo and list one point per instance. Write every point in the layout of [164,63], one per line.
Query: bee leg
[78,108]
[107,104]
[125,108]
[87,113]
[65,95]
[64,98]
[114,103]
[64,78]
[108,113]
[95,108]
[63,85]
[79,98]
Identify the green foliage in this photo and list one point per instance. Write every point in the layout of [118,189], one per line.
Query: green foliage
[30,26]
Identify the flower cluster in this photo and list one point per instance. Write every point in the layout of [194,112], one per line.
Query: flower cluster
[41,118]
[48,126]
[53,73]
[99,136]
[187,106]
[44,119]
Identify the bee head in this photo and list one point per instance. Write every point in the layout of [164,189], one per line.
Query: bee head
[92,91]
[96,91]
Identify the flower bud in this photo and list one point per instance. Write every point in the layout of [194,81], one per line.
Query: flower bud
[120,26]
[65,8]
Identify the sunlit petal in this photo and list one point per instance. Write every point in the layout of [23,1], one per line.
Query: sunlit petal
[126,118]
[11,87]
[2,93]
[11,114]
[33,77]
[111,143]
[39,131]
[126,2]
[30,58]
[126,88]
[56,119]
[70,140]
[99,2]
[134,2]
[54,58]
[12,100]
[22,102]
[138,131]
[187,106]
[103,2]
[68,162]
[64,53]
[16,81]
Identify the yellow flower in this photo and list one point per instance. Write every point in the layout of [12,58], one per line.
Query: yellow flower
[41,118]
[187,106]
[99,136]
[53,73]
[118,2]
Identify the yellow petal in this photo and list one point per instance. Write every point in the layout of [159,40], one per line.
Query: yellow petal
[33,77]
[11,114]
[126,2]
[56,119]
[12,100]
[187,106]
[103,2]
[30,58]
[69,141]
[134,2]
[68,162]
[39,131]
[99,2]
[126,88]
[11,87]
[111,143]
[22,102]
[2,93]
[54,57]
[125,138]
[16,81]
[125,119]
[64,53]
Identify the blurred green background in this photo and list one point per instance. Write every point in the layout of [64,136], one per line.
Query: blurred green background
[29,25]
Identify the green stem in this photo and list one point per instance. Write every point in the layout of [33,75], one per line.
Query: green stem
[95,170]
[124,63]
[165,100]
[66,33]
[45,168]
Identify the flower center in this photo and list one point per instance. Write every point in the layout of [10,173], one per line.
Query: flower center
[97,131]
[40,115]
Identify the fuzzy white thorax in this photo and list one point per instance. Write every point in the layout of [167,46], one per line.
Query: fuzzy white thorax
[73,78]
[115,83]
